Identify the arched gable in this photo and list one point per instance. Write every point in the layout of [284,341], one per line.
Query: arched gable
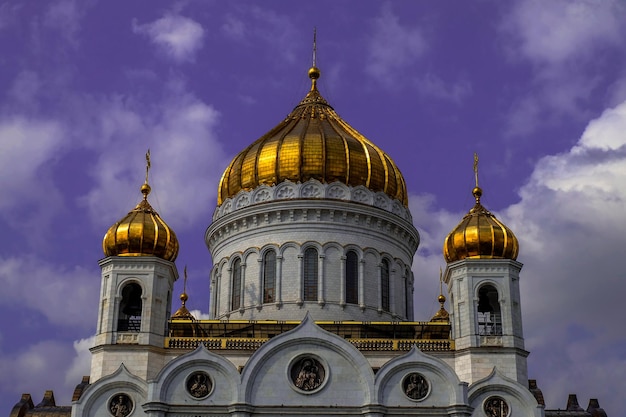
[267,380]
[517,396]
[96,398]
[170,386]
[445,387]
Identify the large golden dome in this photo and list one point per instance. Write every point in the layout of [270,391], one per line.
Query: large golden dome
[313,142]
[480,236]
[141,232]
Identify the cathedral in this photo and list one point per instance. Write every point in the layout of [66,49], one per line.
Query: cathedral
[311,298]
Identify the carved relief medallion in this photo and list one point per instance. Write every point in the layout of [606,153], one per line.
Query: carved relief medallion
[496,407]
[199,384]
[415,386]
[307,373]
[120,405]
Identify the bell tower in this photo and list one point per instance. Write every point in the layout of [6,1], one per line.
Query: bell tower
[482,276]
[138,275]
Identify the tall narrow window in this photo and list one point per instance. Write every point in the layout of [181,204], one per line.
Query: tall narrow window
[129,319]
[235,299]
[310,274]
[384,287]
[408,293]
[352,278]
[269,277]
[489,316]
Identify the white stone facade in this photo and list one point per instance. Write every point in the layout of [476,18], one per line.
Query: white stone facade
[478,352]
[155,277]
[333,227]
[266,385]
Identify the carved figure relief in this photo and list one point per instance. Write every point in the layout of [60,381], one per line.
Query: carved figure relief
[308,374]
[415,386]
[120,405]
[496,407]
[199,384]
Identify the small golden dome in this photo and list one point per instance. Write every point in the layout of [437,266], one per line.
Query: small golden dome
[182,313]
[480,235]
[313,142]
[442,314]
[141,232]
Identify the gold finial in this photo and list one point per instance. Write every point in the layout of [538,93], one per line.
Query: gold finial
[477,191]
[145,188]
[314,72]
[442,314]
[441,298]
[184,297]
[182,312]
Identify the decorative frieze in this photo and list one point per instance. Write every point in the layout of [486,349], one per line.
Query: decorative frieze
[312,189]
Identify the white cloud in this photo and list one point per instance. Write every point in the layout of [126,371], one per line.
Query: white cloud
[64,16]
[48,360]
[571,226]
[234,28]
[432,85]
[562,30]
[392,46]
[178,36]
[70,293]
[25,146]
[81,363]
[28,148]
[275,30]
[199,315]
[186,158]
[566,43]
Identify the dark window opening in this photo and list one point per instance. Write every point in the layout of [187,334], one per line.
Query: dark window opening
[489,314]
[384,295]
[269,277]
[310,274]
[352,278]
[129,319]
[235,300]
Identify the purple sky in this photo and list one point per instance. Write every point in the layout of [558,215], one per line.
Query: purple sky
[537,89]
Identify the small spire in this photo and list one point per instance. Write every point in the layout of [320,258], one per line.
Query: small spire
[442,314]
[314,45]
[182,312]
[477,192]
[314,72]
[145,188]
[184,297]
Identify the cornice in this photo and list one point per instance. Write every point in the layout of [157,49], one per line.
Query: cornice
[303,214]
[312,189]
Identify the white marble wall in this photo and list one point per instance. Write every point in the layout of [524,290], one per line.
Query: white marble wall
[331,226]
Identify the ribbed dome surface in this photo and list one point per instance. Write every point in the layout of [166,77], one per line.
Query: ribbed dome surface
[480,235]
[313,142]
[141,232]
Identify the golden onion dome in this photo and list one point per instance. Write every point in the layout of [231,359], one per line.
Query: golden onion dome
[141,232]
[480,235]
[313,142]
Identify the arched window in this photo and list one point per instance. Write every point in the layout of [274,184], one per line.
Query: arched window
[269,277]
[235,299]
[352,277]
[310,274]
[129,319]
[489,316]
[384,284]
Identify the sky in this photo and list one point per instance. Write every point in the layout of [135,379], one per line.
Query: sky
[537,89]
